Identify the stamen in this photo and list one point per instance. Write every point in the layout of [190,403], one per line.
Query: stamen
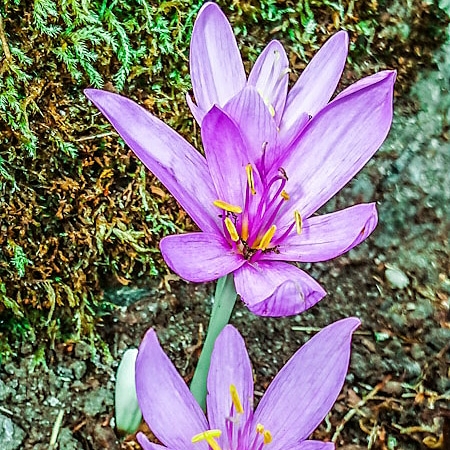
[283,173]
[259,428]
[267,435]
[244,228]
[227,206]
[250,179]
[284,73]
[266,101]
[285,195]
[263,158]
[210,437]
[265,241]
[298,222]
[236,400]
[231,229]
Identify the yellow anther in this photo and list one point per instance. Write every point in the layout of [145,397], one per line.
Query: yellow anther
[231,229]
[285,195]
[271,109]
[267,102]
[236,400]
[259,428]
[265,241]
[298,222]
[244,229]
[250,179]
[267,435]
[210,437]
[227,206]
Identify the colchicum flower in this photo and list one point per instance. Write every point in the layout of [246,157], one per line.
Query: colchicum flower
[254,193]
[295,403]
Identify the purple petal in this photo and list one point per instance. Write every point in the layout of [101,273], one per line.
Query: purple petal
[364,82]
[276,289]
[199,257]
[288,135]
[165,399]
[177,164]
[318,81]
[230,365]
[327,236]
[270,76]
[256,124]
[195,110]
[305,389]
[335,145]
[147,445]
[216,68]
[227,156]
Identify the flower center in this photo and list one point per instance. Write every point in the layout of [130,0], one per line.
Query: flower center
[251,229]
[238,434]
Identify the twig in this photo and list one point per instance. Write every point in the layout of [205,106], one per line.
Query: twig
[355,409]
[4,41]
[56,428]
[6,411]
[373,435]
[96,136]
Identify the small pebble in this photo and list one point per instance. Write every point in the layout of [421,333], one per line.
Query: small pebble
[396,278]
[393,387]
[417,352]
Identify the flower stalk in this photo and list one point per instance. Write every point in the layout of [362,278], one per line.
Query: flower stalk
[224,301]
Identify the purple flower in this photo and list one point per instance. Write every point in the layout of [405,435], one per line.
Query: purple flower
[270,163]
[295,403]
[215,83]
[253,199]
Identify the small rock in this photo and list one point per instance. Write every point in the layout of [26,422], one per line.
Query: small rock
[393,387]
[423,310]
[396,278]
[99,401]
[65,373]
[67,441]
[4,391]
[82,350]
[438,337]
[398,321]
[412,369]
[11,435]
[9,368]
[52,401]
[79,369]
[443,384]
[417,352]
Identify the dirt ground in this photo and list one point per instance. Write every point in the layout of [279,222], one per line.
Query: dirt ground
[398,386]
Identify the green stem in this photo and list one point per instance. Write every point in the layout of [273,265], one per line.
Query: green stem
[224,300]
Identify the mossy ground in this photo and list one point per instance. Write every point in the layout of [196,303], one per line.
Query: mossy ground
[78,212]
